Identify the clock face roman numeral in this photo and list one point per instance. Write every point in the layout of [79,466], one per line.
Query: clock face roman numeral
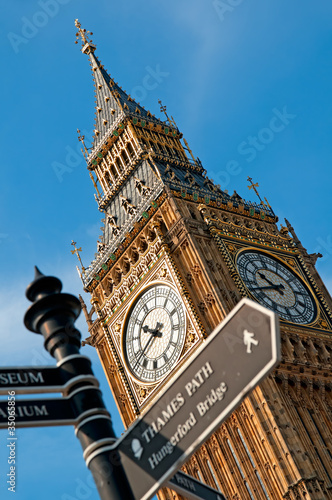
[154,333]
[276,286]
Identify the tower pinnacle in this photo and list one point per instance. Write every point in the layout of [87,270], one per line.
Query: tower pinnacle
[87,45]
[113,105]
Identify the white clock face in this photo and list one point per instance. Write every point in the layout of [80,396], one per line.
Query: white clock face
[276,287]
[154,333]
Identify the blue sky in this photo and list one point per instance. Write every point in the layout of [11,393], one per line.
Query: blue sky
[248,85]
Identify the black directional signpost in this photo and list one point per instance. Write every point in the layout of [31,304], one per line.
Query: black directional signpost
[240,352]
[237,355]
[53,315]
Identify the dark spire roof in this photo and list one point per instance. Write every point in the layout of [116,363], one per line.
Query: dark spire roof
[112,103]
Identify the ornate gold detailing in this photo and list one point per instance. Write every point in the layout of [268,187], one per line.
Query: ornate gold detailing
[85,154]
[209,300]
[191,337]
[283,230]
[141,187]
[115,229]
[76,251]
[244,229]
[142,392]
[163,272]
[231,248]
[196,270]
[84,34]
[254,186]
[112,369]
[81,139]
[310,351]
[323,324]
[128,207]
[163,109]
[117,327]
[123,399]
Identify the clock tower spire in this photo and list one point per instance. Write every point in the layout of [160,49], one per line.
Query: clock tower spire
[175,256]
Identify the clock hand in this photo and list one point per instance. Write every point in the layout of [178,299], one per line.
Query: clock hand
[261,275]
[149,343]
[280,287]
[270,287]
[154,331]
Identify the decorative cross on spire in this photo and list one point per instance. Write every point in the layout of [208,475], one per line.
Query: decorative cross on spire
[163,109]
[84,34]
[76,251]
[86,154]
[254,186]
[170,120]
[81,139]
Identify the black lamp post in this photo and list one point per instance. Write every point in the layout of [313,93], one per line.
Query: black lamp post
[53,315]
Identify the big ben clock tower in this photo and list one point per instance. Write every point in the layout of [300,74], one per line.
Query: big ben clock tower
[175,256]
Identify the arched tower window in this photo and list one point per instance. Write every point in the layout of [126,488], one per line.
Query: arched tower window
[240,469]
[253,464]
[213,475]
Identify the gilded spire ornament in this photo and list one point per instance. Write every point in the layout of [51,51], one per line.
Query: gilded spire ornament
[254,186]
[268,204]
[76,251]
[85,154]
[81,139]
[163,109]
[84,35]
[171,121]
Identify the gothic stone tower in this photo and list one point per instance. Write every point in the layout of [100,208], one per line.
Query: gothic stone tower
[175,256]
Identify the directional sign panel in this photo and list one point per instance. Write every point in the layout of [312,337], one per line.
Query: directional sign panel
[40,379]
[30,379]
[193,489]
[240,352]
[38,412]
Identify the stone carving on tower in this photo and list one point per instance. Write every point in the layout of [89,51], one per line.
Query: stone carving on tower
[175,256]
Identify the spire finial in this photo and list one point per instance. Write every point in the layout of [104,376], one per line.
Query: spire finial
[76,251]
[171,121]
[85,36]
[254,186]
[81,139]
[163,109]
